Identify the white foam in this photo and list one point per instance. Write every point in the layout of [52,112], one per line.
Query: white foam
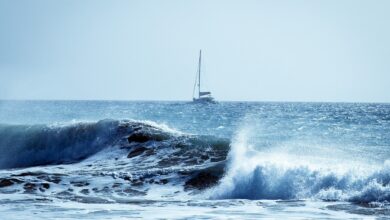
[275,174]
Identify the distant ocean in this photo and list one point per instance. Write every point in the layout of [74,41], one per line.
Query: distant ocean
[179,160]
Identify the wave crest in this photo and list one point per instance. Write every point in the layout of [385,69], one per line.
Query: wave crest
[253,175]
[26,145]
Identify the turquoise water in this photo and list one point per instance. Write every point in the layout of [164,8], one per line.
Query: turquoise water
[244,159]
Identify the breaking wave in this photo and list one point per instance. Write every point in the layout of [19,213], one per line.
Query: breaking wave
[255,175]
[147,153]
[25,145]
[35,145]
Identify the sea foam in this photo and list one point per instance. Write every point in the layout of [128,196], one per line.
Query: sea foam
[253,174]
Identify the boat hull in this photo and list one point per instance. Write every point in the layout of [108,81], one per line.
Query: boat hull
[204,100]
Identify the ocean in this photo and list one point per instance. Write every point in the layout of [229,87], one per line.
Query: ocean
[179,160]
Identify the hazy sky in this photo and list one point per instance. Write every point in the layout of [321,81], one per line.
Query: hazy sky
[324,50]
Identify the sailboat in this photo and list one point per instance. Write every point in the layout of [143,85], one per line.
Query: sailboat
[203,97]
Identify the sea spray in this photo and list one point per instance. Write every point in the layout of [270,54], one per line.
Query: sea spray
[302,160]
[256,174]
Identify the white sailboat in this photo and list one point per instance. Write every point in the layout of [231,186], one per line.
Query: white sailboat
[205,96]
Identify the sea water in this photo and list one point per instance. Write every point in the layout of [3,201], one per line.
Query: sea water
[179,160]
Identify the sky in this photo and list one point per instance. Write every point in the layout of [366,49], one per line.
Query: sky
[273,50]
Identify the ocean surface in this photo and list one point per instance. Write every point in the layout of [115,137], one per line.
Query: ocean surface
[179,160]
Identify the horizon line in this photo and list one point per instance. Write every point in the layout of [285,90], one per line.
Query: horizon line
[185,100]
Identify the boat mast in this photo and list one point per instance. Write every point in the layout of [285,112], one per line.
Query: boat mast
[199,66]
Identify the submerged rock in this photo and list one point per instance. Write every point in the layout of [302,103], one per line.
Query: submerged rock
[30,187]
[202,180]
[136,152]
[205,178]
[147,134]
[164,181]
[8,182]
[84,191]
[138,137]
[45,185]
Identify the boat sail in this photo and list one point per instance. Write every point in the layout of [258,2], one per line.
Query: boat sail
[205,96]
